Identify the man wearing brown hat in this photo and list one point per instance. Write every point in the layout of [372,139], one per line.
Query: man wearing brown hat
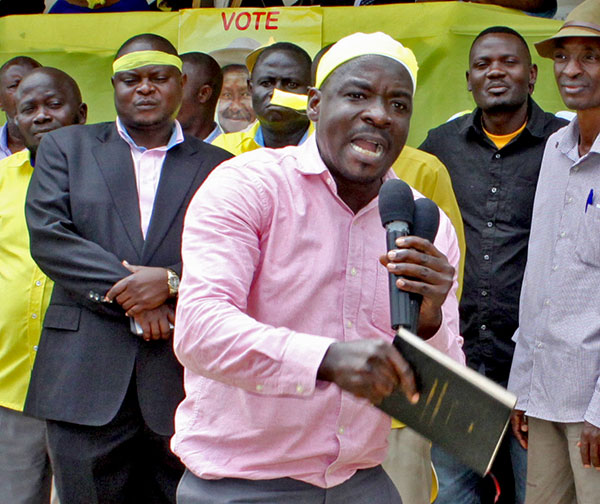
[556,365]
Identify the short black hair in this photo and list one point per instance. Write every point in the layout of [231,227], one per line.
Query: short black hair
[286,47]
[501,29]
[19,60]
[155,41]
[57,75]
[210,68]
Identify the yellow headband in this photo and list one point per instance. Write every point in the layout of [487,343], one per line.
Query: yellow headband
[363,44]
[139,59]
[293,101]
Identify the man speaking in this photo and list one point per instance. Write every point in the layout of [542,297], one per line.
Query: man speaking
[283,322]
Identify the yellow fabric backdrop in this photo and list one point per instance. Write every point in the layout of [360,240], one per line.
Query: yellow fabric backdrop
[440,33]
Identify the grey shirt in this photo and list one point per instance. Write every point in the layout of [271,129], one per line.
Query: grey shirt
[556,365]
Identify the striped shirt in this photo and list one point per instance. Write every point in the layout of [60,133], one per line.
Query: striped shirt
[556,365]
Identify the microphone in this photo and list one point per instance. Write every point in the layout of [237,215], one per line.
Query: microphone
[396,209]
[426,222]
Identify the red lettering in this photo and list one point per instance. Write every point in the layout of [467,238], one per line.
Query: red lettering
[227,24]
[271,17]
[237,21]
[258,16]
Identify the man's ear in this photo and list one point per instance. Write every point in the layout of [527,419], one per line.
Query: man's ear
[314,104]
[533,73]
[82,113]
[112,81]
[204,93]
[469,88]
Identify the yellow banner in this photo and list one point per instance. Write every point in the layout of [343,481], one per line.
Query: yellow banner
[440,34]
[209,29]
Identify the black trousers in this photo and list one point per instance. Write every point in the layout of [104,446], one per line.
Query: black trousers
[120,462]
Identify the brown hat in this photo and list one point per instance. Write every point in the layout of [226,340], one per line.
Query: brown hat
[583,21]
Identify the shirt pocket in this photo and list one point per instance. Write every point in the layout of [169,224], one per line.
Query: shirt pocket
[62,317]
[588,238]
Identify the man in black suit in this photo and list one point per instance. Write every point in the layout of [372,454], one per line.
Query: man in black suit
[105,212]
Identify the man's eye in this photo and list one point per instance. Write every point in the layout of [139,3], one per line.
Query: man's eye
[226,96]
[356,96]
[292,85]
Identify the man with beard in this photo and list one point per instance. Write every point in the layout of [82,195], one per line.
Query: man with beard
[493,156]
[105,212]
[283,323]
[47,99]
[282,66]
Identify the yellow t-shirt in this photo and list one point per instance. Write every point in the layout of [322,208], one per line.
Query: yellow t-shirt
[502,140]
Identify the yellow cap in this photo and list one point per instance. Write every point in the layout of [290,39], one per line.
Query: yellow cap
[363,44]
[582,21]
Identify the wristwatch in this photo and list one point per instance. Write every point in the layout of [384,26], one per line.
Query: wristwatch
[172,282]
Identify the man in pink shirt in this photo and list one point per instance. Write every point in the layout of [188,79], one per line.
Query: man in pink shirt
[283,322]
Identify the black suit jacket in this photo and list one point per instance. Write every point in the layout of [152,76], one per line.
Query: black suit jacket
[83,216]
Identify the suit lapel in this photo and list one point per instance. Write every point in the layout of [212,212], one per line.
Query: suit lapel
[176,179]
[114,161]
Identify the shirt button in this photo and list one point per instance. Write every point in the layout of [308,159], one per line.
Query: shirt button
[353,271]
[540,345]
[38,283]
[349,324]
[34,315]
[494,190]
[35,347]
[554,268]
[486,257]
[490,224]
[546,302]
[562,234]
[483,327]
[497,155]
[484,293]
[299,389]
[570,200]
[259,388]
[341,430]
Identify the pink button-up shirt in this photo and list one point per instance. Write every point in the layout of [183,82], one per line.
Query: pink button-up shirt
[276,268]
[147,165]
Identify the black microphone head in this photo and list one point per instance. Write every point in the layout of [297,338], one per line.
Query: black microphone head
[396,202]
[427,219]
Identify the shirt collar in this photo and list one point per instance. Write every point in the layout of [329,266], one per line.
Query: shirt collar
[4,140]
[535,120]
[214,133]
[568,143]
[176,137]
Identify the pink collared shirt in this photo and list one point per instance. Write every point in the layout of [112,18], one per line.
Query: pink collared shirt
[276,268]
[147,164]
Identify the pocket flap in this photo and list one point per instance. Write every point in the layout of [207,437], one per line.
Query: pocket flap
[62,317]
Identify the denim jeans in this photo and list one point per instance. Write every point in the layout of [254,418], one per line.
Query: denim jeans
[460,485]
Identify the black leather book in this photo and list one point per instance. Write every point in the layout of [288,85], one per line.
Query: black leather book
[459,409]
